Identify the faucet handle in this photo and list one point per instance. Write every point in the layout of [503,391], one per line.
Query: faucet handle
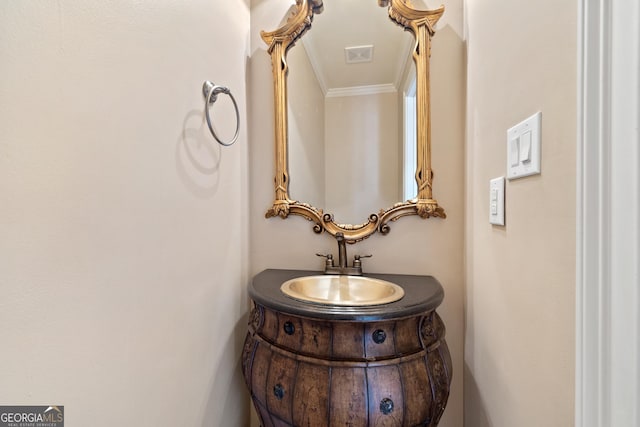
[356,261]
[329,259]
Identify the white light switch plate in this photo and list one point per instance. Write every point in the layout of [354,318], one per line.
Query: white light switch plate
[496,201]
[523,148]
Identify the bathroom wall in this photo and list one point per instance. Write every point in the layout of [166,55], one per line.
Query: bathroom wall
[414,246]
[123,225]
[519,339]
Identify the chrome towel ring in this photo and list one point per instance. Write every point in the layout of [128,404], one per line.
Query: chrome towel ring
[211,92]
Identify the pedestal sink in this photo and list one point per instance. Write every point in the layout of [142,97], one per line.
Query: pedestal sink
[342,290]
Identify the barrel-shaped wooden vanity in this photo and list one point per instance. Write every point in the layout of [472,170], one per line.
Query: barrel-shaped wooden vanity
[313,365]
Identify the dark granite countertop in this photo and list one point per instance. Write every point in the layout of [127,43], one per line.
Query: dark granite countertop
[422,294]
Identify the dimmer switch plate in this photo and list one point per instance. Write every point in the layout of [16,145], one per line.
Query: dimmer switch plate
[523,148]
[496,201]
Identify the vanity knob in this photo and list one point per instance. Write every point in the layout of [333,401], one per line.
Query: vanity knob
[386,406]
[379,336]
[289,328]
[278,391]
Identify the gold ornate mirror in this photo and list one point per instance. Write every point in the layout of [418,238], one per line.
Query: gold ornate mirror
[420,25]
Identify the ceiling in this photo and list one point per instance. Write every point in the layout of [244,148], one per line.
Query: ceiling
[349,23]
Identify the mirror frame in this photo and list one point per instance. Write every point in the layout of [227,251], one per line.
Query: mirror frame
[421,23]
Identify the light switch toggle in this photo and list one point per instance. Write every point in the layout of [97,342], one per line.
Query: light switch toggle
[523,148]
[514,152]
[494,201]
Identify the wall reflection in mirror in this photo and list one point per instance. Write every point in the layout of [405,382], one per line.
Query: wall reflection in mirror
[351,93]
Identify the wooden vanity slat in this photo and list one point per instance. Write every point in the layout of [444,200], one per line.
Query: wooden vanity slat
[417,391]
[406,336]
[387,348]
[269,329]
[311,397]
[316,338]
[348,397]
[282,375]
[261,362]
[347,341]
[384,383]
[293,339]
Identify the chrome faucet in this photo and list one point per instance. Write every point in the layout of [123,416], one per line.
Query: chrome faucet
[342,267]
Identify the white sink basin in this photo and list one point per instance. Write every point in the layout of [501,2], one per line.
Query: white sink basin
[342,290]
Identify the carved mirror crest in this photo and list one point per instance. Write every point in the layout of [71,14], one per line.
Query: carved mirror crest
[420,24]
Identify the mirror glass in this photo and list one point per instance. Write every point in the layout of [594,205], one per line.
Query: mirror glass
[351,127]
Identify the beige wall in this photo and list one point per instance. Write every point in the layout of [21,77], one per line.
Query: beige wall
[123,232]
[361,155]
[124,249]
[519,339]
[414,246]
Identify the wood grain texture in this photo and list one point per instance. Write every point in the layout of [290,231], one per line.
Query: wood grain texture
[321,373]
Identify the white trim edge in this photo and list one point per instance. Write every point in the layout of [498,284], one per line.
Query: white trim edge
[608,215]
[591,202]
[360,90]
